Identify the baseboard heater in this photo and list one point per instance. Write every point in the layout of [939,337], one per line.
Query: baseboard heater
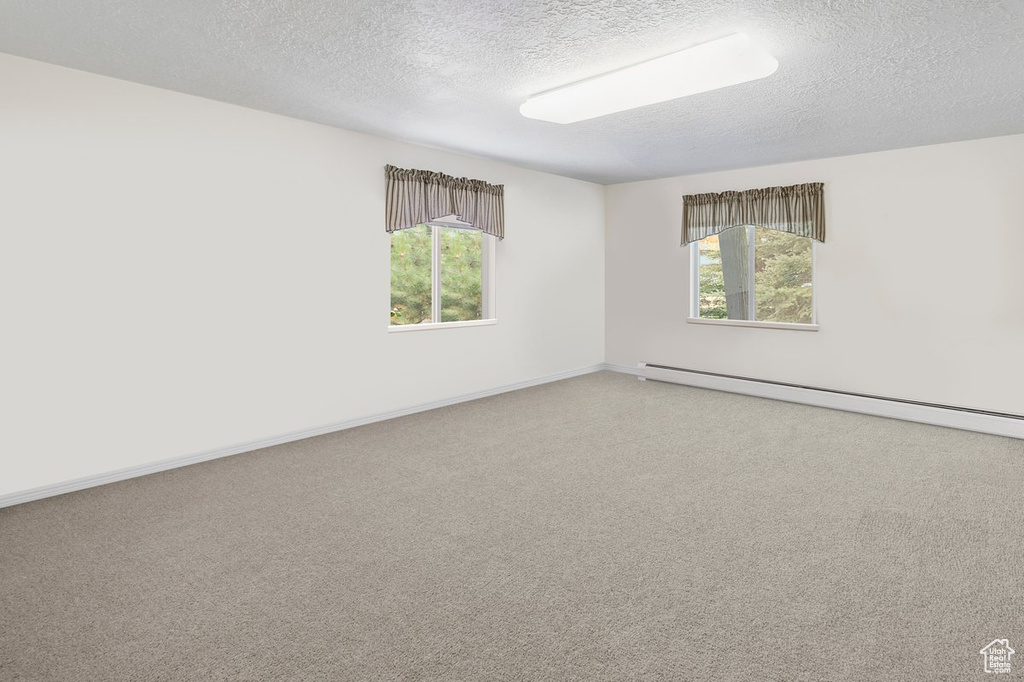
[984,421]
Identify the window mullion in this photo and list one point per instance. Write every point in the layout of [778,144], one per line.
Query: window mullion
[695,279]
[751,307]
[485,277]
[435,273]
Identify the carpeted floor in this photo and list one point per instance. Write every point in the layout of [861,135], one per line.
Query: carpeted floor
[598,528]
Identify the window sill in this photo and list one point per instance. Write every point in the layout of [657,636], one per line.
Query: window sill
[753,323]
[439,325]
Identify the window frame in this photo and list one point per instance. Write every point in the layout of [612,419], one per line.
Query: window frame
[488,315]
[694,310]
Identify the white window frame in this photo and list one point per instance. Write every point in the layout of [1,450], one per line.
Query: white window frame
[488,314]
[694,316]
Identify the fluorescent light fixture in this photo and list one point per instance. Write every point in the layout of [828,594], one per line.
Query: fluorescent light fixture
[709,66]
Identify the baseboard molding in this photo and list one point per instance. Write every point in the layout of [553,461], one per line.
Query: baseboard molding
[625,369]
[938,415]
[11,499]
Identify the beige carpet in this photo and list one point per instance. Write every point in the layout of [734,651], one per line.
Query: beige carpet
[599,528]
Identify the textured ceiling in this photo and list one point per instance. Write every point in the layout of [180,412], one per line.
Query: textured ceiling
[854,76]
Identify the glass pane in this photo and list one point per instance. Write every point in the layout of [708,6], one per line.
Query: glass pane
[461,275]
[782,276]
[411,281]
[724,275]
[711,302]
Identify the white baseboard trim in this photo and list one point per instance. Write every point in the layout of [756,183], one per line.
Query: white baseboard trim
[11,499]
[625,369]
[937,415]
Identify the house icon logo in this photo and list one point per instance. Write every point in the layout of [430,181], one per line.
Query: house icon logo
[997,656]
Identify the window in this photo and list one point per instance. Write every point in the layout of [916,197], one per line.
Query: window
[441,274]
[756,275]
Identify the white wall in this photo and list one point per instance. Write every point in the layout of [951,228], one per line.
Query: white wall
[180,275]
[920,286]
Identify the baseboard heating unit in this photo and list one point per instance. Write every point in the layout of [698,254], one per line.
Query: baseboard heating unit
[984,421]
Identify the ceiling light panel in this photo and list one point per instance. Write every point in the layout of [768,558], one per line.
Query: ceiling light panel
[717,64]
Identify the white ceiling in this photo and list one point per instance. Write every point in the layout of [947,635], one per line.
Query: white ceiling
[854,76]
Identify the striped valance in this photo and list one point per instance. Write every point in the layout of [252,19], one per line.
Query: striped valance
[417,196]
[799,209]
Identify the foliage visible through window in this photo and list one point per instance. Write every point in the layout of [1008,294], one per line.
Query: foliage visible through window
[411,256]
[754,273]
[427,255]
[461,275]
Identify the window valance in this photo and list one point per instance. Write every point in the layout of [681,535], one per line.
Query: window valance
[417,196]
[798,209]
